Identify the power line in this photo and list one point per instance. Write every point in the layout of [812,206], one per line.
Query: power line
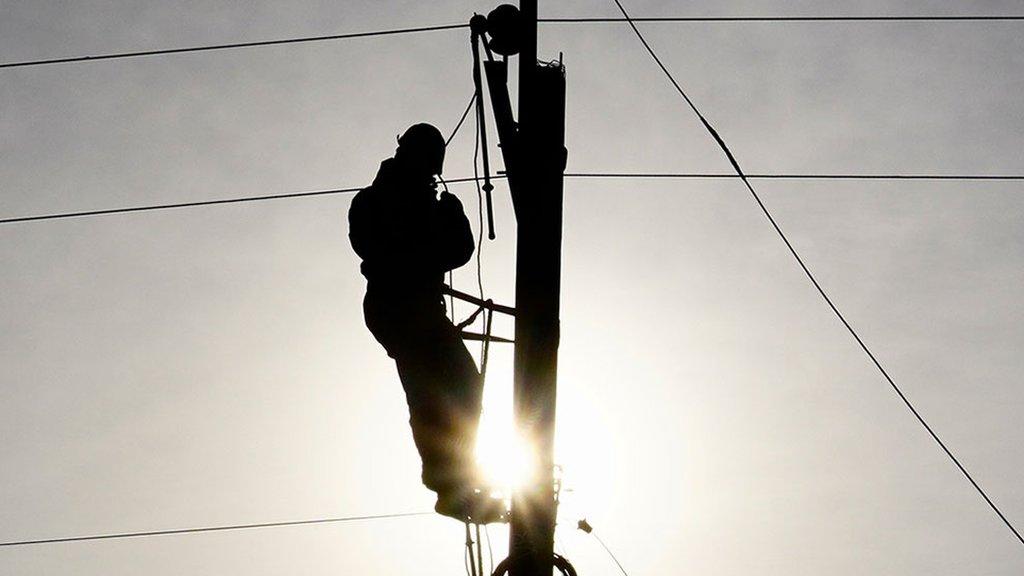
[221,201]
[581,175]
[792,176]
[743,177]
[153,207]
[211,47]
[909,18]
[582,20]
[216,528]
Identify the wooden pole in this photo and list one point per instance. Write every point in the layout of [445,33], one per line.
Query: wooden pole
[537,192]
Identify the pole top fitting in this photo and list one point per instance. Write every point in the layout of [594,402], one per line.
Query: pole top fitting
[478,24]
[503,24]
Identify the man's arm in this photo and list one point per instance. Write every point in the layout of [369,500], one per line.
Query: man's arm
[364,226]
[455,236]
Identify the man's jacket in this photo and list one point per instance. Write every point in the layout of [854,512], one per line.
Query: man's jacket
[406,236]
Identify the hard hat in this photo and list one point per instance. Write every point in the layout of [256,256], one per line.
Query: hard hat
[425,142]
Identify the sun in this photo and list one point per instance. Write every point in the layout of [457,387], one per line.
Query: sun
[505,460]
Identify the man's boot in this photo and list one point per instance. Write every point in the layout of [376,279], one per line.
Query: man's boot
[473,505]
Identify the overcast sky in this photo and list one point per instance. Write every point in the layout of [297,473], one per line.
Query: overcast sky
[210,366]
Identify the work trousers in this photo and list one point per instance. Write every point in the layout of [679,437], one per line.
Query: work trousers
[442,385]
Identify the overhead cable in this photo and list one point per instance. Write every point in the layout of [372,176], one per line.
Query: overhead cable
[152,207]
[581,20]
[588,175]
[216,528]
[746,181]
[908,18]
[211,47]
[791,176]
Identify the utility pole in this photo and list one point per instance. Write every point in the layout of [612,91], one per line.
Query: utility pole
[534,154]
[536,186]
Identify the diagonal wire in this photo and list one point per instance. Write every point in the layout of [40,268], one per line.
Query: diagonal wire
[597,175]
[610,553]
[814,280]
[211,47]
[216,528]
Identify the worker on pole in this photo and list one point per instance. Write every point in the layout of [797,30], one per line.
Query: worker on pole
[408,237]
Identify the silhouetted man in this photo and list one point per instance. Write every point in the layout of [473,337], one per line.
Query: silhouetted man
[408,237]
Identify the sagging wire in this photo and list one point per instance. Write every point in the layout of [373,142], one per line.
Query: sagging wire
[458,125]
[462,119]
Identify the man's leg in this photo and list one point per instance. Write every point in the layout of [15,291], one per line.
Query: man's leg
[465,396]
[444,392]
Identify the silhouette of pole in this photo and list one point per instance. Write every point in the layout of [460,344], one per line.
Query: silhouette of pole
[537,195]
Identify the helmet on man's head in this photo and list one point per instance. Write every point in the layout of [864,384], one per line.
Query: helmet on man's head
[424,144]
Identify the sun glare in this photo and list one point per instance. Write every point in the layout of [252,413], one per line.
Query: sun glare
[505,460]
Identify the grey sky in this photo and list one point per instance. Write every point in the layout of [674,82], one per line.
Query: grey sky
[210,366]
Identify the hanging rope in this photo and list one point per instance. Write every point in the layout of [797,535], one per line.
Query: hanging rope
[469,106]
